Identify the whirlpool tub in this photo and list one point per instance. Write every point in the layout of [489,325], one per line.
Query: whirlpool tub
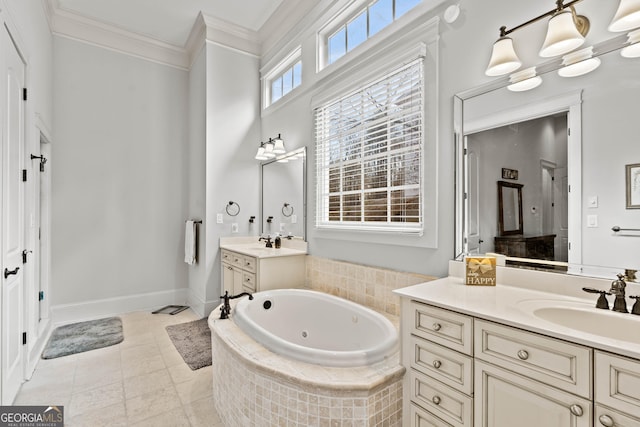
[305,358]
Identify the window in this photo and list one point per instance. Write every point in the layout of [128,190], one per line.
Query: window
[368,22]
[369,154]
[285,82]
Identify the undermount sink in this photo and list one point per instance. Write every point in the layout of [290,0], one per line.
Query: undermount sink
[586,318]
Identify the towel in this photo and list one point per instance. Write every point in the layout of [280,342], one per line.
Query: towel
[190,242]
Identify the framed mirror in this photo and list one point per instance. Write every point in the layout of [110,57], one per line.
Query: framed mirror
[509,208]
[283,195]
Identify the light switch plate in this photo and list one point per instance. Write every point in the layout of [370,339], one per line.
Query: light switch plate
[219,218]
[592,221]
[593,202]
[234,227]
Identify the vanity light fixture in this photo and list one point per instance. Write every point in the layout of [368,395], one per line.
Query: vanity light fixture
[565,32]
[579,63]
[633,50]
[270,149]
[627,16]
[524,80]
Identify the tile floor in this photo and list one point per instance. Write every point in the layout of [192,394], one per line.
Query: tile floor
[142,381]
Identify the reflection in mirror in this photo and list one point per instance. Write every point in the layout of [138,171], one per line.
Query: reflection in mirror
[574,182]
[284,195]
[509,208]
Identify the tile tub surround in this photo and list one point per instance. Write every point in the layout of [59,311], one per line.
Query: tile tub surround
[369,286]
[253,386]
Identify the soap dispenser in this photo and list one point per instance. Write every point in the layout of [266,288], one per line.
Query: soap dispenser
[278,241]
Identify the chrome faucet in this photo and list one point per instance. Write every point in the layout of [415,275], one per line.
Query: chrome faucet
[617,289]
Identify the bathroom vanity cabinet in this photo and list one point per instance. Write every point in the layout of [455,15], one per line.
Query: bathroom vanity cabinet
[467,371]
[242,272]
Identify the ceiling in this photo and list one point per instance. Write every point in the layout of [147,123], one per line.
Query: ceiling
[170,21]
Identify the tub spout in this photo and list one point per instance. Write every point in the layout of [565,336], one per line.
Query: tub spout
[225,310]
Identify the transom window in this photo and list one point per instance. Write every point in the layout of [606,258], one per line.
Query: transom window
[367,22]
[369,154]
[288,80]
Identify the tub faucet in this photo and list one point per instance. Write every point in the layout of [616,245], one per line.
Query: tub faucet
[617,289]
[225,310]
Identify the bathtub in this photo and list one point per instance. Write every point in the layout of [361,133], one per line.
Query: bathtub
[317,328]
[305,359]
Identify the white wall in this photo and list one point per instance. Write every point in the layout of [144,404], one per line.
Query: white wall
[120,175]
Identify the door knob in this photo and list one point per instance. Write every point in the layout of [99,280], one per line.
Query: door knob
[8,272]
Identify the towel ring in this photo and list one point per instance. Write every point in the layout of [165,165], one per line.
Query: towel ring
[287,210]
[233,208]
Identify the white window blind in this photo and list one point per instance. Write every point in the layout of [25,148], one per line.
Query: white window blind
[369,155]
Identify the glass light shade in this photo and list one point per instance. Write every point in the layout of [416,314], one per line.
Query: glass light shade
[524,80]
[503,58]
[260,154]
[633,50]
[562,35]
[268,150]
[627,16]
[278,146]
[579,63]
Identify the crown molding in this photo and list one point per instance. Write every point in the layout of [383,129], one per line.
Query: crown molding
[205,29]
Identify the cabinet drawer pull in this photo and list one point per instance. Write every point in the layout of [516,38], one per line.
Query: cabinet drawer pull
[437,364]
[436,400]
[606,421]
[576,410]
[229,268]
[523,354]
[248,263]
[437,327]
[248,279]
[236,260]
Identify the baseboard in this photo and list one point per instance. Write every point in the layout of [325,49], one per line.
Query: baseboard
[95,309]
[201,307]
[35,350]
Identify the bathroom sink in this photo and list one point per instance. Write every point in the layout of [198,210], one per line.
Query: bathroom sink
[586,318]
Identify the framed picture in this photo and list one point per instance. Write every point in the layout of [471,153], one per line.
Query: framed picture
[633,186]
[509,174]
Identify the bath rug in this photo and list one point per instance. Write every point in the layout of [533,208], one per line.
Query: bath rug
[83,336]
[193,342]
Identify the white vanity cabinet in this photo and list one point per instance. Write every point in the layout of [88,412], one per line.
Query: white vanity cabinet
[617,390]
[246,273]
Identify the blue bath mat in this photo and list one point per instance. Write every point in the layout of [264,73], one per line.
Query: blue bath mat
[83,336]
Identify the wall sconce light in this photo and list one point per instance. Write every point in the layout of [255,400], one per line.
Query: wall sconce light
[271,148]
[565,32]
[579,63]
[627,16]
[524,80]
[633,50]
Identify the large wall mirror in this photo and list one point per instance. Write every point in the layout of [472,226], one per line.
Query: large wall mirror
[283,195]
[567,142]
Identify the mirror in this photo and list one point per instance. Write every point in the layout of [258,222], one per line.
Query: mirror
[283,195]
[509,208]
[589,135]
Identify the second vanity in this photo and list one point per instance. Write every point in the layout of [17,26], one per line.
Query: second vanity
[249,266]
[536,354]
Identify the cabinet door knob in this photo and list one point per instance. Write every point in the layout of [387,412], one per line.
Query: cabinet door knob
[576,410]
[229,268]
[523,354]
[606,421]
[436,400]
[437,327]
[437,364]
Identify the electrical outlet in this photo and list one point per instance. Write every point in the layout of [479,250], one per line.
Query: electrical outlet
[294,219]
[593,201]
[592,221]
[234,227]
[219,218]
[282,226]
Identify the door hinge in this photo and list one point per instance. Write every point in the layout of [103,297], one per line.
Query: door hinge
[24,256]
[24,338]
[24,175]
[24,93]
[569,131]
[41,296]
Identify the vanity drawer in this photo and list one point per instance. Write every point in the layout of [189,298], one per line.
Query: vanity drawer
[452,330]
[609,418]
[237,259]
[444,402]
[445,365]
[249,264]
[227,256]
[555,362]
[249,281]
[421,418]
[617,382]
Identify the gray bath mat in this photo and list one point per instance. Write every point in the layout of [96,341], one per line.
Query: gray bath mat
[83,336]
[193,342]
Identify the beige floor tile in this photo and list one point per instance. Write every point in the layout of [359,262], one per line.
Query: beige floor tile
[110,416]
[198,388]
[148,405]
[171,357]
[97,398]
[202,413]
[182,373]
[141,366]
[174,418]
[147,383]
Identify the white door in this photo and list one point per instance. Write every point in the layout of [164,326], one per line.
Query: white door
[13,231]
[473,202]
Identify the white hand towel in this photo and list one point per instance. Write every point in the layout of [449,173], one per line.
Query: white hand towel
[190,242]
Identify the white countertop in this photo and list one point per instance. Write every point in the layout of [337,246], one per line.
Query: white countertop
[260,251]
[511,305]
